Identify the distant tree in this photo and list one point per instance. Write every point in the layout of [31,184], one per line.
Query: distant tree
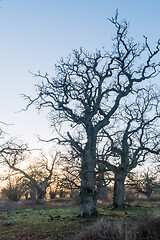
[42,175]
[38,176]
[85,94]
[14,189]
[54,185]
[145,183]
[103,180]
[71,170]
[53,193]
[133,138]
[11,148]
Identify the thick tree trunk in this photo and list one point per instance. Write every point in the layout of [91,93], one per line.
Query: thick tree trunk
[88,195]
[119,191]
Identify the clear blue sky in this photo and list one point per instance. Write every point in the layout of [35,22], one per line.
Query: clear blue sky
[37,33]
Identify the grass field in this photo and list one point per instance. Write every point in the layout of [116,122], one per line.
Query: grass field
[62,222]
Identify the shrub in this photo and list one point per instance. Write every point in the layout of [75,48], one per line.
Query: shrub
[13,193]
[14,190]
[61,193]
[145,228]
[53,194]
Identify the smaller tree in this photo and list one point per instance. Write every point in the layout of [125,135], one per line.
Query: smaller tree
[103,180]
[53,193]
[41,176]
[15,189]
[53,187]
[38,175]
[144,183]
[133,138]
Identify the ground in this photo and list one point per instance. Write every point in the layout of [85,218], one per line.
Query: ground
[57,221]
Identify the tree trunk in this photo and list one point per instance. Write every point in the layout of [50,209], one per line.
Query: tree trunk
[119,190]
[102,192]
[41,193]
[88,196]
[40,196]
[33,194]
[101,185]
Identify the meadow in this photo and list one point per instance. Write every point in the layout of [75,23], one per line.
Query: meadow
[60,220]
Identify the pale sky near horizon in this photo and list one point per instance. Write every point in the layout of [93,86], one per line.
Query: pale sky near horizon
[37,33]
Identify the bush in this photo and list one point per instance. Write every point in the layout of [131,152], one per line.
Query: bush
[61,193]
[14,190]
[13,193]
[53,194]
[144,229]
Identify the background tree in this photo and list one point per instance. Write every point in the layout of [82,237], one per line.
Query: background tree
[38,175]
[103,180]
[14,189]
[144,183]
[85,94]
[54,185]
[71,166]
[133,138]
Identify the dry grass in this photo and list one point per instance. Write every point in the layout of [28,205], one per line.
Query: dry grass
[144,228]
[24,204]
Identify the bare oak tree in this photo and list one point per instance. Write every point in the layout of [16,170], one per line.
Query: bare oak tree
[144,183]
[133,138]
[38,176]
[86,92]
[14,189]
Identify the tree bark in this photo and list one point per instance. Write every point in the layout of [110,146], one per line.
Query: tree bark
[88,195]
[40,196]
[41,192]
[119,190]
[33,194]
[101,186]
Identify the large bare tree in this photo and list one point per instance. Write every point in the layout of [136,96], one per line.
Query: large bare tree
[133,138]
[86,92]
